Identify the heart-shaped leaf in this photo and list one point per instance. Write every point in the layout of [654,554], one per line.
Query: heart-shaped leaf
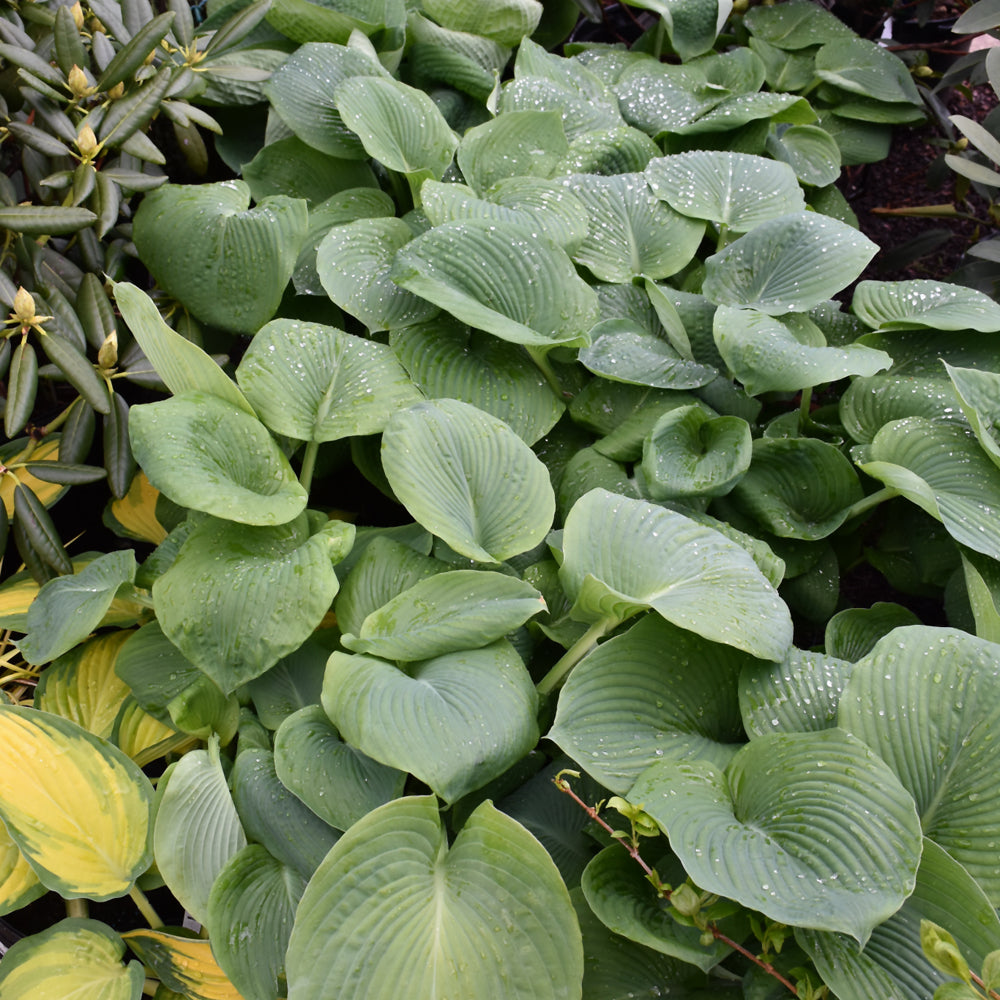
[740,833]
[506,21]
[979,395]
[394,903]
[862,67]
[905,305]
[810,151]
[851,633]
[869,404]
[796,25]
[227,263]
[456,721]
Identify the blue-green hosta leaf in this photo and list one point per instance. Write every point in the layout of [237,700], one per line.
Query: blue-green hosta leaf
[941,468]
[798,695]
[862,67]
[851,633]
[208,455]
[251,908]
[796,25]
[504,21]
[197,830]
[292,683]
[764,833]
[654,692]
[228,263]
[742,109]
[237,599]
[690,453]
[905,305]
[632,232]
[659,97]
[338,783]
[810,151]
[927,700]
[456,721]
[468,62]
[798,487]
[459,609]
[621,150]
[784,70]
[301,91]
[496,277]
[735,190]
[74,959]
[979,395]
[323,21]
[316,383]
[468,479]
[892,962]
[354,263]
[446,359]
[393,903]
[621,556]
[692,25]
[789,264]
[871,403]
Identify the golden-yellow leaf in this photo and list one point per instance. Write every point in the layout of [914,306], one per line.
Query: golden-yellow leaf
[183,964]
[47,493]
[136,511]
[18,882]
[145,738]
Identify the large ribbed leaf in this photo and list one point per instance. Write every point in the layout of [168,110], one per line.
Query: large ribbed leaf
[325,21]
[862,67]
[632,232]
[456,721]
[812,829]
[468,62]
[853,632]
[75,959]
[788,264]
[504,21]
[316,383]
[393,903]
[468,478]
[622,556]
[796,25]
[207,454]
[227,263]
[691,24]
[734,190]
[661,98]
[83,825]
[446,359]
[870,403]
[238,598]
[893,963]
[767,354]
[904,305]
[197,830]
[654,692]
[927,700]
[498,278]
[810,151]
[941,468]
[979,395]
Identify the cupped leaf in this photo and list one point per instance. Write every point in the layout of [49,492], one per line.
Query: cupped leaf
[394,903]
[336,781]
[868,404]
[316,383]
[654,692]
[183,963]
[927,700]
[937,305]
[468,478]
[237,599]
[734,190]
[498,278]
[979,395]
[621,556]
[810,151]
[227,263]
[764,834]
[851,633]
[456,721]
[206,454]
[789,264]
[290,168]
[83,825]
[76,958]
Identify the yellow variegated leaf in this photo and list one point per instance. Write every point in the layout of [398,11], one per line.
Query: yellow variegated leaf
[47,493]
[19,884]
[144,738]
[136,511]
[184,964]
[74,804]
[83,685]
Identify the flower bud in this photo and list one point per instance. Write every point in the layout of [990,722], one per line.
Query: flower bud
[77,82]
[24,307]
[77,11]
[107,356]
[87,143]
[116,91]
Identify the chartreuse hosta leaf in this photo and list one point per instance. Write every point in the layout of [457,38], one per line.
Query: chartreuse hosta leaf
[734,190]
[763,833]
[19,884]
[237,598]
[460,609]
[497,277]
[905,305]
[250,912]
[892,962]
[393,902]
[183,963]
[338,783]
[83,825]
[468,478]
[654,692]
[75,959]
[789,264]
[941,468]
[621,556]
[197,830]
[927,700]
[979,396]
[455,721]
[316,383]
[768,354]
[226,262]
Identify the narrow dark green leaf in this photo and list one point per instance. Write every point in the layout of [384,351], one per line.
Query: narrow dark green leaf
[36,138]
[134,54]
[118,459]
[79,372]
[131,113]
[22,387]
[77,433]
[17,55]
[68,44]
[45,220]
[39,529]
[107,201]
[66,473]
[40,571]
[237,27]
[94,310]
